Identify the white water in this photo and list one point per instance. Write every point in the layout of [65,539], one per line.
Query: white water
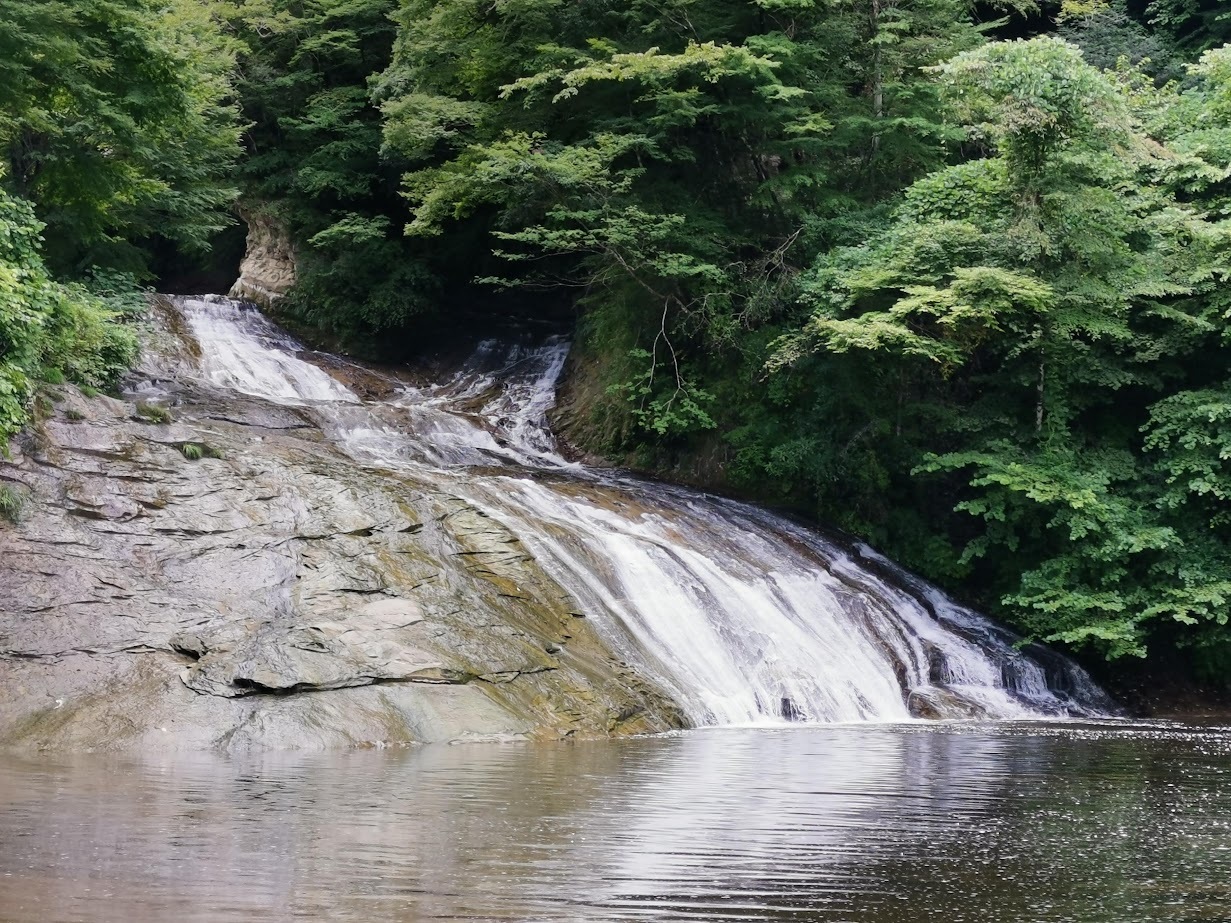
[743,616]
[240,354]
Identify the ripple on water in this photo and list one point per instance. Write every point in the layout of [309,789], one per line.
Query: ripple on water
[1021,823]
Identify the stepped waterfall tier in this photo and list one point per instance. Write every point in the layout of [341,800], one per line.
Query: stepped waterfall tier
[255,523]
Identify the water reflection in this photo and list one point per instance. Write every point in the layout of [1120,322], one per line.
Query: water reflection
[996,823]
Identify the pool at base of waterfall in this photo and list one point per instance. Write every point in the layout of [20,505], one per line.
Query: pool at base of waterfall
[1026,822]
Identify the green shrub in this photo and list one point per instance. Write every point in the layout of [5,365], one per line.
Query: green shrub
[48,330]
[195,451]
[153,413]
[13,502]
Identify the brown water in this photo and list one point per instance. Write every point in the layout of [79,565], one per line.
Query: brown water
[957,823]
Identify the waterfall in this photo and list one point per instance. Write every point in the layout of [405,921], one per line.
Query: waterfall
[743,616]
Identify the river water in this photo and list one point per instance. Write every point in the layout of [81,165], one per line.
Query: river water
[963,823]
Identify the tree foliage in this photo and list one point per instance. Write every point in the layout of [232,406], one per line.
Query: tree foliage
[117,129]
[1057,304]
[116,122]
[674,163]
[314,158]
[1195,25]
[47,329]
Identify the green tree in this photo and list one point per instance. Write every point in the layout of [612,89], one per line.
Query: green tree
[47,329]
[115,122]
[314,158]
[1194,25]
[677,164]
[1107,33]
[1039,304]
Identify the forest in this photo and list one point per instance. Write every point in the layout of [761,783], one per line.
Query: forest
[949,276]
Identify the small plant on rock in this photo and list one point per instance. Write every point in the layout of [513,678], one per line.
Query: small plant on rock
[153,413]
[13,502]
[195,451]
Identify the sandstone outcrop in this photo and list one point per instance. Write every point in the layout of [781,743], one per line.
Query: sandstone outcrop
[268,271]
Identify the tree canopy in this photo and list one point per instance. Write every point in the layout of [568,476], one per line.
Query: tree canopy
[117,124]
[117,127]
[950,275]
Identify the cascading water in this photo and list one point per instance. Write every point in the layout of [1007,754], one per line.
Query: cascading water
[743,616]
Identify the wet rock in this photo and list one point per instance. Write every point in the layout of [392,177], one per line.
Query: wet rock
[281,595]
[189,645]
[326,655]
[792,712]
[932,703]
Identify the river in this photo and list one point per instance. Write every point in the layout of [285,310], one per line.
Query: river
[256,624]
[745,619]
[963,823]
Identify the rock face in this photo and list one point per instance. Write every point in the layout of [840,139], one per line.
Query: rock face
[273,593]
[268,268]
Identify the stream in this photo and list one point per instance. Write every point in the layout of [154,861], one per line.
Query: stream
[1005,823]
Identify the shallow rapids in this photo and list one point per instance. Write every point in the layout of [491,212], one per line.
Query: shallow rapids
[743,617]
